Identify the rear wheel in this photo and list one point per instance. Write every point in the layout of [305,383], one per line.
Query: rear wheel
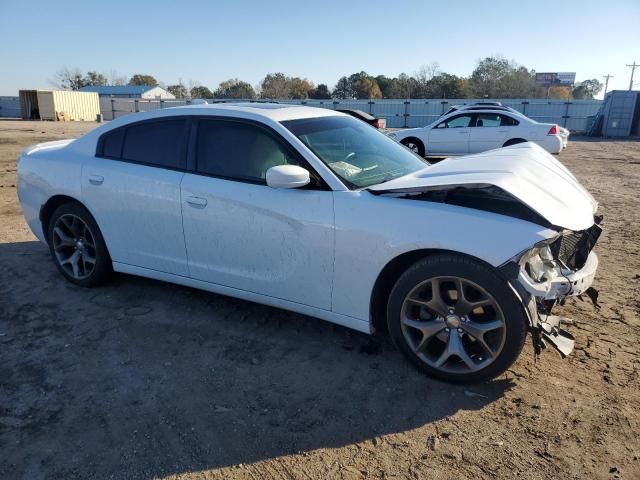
[77,246]
[413,144]
[456,319]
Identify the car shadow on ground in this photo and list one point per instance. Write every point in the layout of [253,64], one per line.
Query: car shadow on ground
[141,379]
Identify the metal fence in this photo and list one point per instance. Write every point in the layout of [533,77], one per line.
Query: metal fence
[9,106]
[575,115]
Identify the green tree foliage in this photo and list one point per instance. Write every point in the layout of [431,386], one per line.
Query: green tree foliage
[497,77]
[587,90]
[275,85]
[321,92]
[234,88]
[364,85]
[278,85]
[200,91]
[299,88]
[385,84]
[140,79]
[445,85]
[343,89]
[178,90]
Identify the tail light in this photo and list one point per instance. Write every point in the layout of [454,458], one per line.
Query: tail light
[376,123]
[553,130]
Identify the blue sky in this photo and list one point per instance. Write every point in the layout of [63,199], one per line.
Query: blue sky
[210,41]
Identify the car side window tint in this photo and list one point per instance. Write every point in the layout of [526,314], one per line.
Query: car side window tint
[158,143]
[456,122]
[112,143]
[238,150]
[487,120]
[506,121]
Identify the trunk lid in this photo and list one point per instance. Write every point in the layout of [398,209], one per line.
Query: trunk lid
[525,170]
[46,146]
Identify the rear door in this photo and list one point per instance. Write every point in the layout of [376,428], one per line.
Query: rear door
[486,132]
[246,235]
[451,136]
[132,188]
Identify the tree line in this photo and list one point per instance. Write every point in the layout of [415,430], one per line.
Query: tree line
[493,77]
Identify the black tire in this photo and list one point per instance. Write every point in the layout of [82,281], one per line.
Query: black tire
[414,144]
[515,323]
[514,141]
[102,267]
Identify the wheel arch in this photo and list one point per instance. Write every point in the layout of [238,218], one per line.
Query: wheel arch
[514,141]
[50,206]
[415,139]
[391,272]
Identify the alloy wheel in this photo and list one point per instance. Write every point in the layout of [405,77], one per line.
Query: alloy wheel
[74,246]
[453,324]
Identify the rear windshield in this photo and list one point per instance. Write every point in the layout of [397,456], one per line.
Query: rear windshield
[358,154]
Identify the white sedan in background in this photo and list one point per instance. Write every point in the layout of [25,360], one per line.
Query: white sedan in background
[314,211]
[477,129]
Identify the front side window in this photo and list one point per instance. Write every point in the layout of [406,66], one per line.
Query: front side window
[458,121]
[238,151]
[358,154]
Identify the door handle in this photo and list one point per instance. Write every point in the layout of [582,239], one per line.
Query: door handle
[464,132]
[197,202]
[96,179]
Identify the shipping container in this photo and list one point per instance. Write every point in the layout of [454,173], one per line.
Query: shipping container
[59,105]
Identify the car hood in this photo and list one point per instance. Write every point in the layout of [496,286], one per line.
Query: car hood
[526,171]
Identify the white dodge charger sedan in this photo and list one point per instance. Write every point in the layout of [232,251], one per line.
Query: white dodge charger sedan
[473,129]
[313,211]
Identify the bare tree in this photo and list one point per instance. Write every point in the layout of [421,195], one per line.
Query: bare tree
[68,78]
[115,79]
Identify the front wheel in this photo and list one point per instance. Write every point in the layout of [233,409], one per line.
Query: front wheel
[456,319]
[415,145]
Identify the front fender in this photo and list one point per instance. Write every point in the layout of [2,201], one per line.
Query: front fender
[372,230]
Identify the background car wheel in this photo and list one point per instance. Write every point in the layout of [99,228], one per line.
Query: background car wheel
[456,319]
[514,141]
[414,145]
[77,246]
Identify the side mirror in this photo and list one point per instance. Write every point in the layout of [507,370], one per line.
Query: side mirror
[287,176]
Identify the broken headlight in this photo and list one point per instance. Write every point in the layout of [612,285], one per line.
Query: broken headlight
[540,264]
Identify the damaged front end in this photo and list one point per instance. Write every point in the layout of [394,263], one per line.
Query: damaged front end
[550,272]
[542,276]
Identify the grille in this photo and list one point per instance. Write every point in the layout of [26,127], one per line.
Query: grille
[573,249]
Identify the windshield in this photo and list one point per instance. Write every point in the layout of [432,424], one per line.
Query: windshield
[357,153]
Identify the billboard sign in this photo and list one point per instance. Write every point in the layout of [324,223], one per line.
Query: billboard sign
[556,78]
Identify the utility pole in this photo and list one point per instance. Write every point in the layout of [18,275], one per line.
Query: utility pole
[606,82]
[633,70]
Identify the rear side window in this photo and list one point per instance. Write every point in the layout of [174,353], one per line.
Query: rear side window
[156,143]
[238,151]
[112,143]
[160,143]
[508,121]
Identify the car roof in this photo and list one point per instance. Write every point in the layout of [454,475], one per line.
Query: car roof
[275,111]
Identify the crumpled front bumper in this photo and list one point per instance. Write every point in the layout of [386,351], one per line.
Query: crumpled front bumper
[569,284]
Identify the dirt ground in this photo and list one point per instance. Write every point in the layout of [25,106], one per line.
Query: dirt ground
[142,379]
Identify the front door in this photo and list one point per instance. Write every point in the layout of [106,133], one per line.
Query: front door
[244,234]
[451,136]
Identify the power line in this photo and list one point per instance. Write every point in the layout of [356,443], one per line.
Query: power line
[633,70]
[606,82]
